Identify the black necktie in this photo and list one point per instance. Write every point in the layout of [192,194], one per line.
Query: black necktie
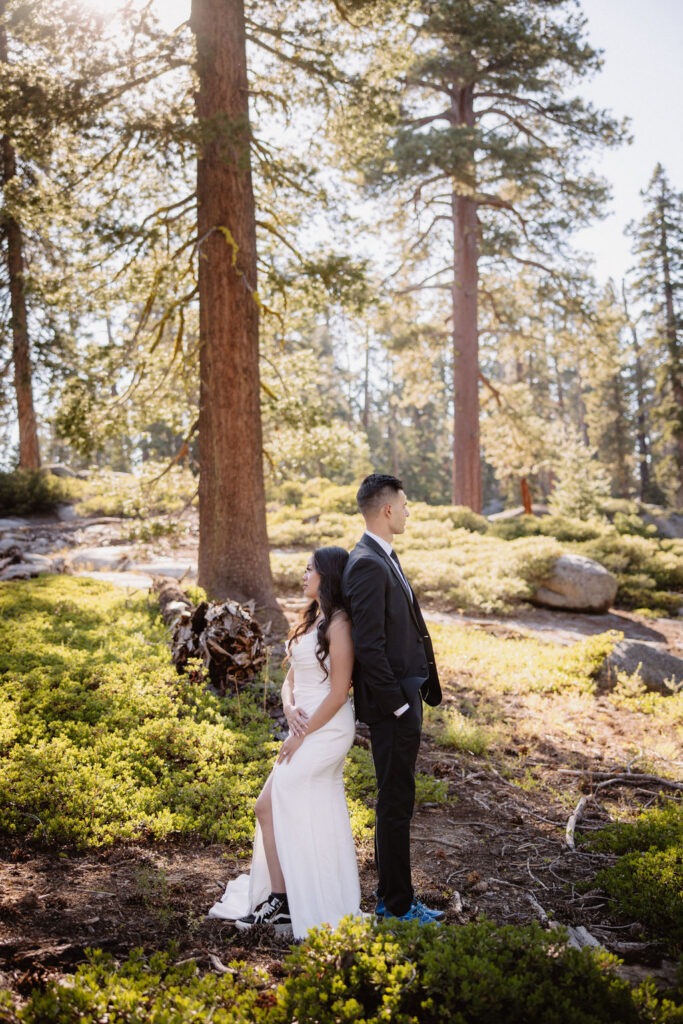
[402,574]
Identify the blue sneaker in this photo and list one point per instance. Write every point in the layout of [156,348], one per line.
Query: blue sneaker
[417,912]
[435,915]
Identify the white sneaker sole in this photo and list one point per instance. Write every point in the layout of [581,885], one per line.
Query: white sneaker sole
[279,929]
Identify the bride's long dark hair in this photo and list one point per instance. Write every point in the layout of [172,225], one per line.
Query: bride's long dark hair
[329,563]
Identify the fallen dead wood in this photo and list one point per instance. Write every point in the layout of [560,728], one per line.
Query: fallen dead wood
[626,777]
[224,636]
[173,601]
[630,780]
[574,819]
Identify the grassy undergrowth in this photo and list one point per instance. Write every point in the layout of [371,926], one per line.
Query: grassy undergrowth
[647,880]
[101,740]
[455,558]
[405,975]
[521,664]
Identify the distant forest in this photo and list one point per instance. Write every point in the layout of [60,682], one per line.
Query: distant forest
[331,236]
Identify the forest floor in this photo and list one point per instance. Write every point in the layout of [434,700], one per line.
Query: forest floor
[495,848]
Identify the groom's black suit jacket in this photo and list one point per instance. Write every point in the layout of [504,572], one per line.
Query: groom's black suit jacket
[394,657]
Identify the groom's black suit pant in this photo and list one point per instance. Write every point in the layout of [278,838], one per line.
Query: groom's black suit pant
[395,743]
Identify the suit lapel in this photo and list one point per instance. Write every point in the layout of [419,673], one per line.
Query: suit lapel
[374,546]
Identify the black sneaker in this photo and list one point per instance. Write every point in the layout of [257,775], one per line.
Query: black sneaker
[274,911]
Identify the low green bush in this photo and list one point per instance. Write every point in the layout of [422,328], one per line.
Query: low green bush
[147,989]
[154,491]
[28,491]
[524,665]
[480,972]
[361,785]
[405,974]
[654,829]
[459,517]
[649,886]
[647,880]
[101,740]
[451,729]
[631,523]
[562,528]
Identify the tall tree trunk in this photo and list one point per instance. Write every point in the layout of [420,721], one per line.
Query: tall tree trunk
[621,440]
[29,450]
[581,406]
[675,362]
[467,488]
[365,419]
[526,496]
[233,543]
[642,439]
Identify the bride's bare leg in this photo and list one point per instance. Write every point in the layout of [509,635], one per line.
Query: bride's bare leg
[264,812]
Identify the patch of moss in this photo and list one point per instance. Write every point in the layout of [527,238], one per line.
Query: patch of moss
[101,740]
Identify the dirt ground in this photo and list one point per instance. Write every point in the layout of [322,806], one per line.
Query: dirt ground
[497,848]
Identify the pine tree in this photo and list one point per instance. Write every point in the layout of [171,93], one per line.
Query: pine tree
[478,134]
[658,281]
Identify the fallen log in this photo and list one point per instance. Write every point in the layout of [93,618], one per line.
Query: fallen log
[574,819]
[224,636]
[173,601]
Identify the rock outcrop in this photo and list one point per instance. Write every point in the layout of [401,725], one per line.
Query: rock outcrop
[576,583]
[659,671]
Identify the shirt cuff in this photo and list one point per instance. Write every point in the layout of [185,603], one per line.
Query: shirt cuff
[399,711]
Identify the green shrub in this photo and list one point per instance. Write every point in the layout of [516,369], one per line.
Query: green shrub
[148,989]
[524,665]
[453,730]
[634,525]
[647,880]
[100,738]
[149,493]
[459,517]
[654,829]
[26,491]
[512,529]
[481,972]
[658,563]
[400,974]
[649,886]
[360,782]
[564,529]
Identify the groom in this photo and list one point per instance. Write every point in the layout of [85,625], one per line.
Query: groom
[394,671]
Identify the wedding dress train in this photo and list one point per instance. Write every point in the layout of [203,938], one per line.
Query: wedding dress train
[310,817]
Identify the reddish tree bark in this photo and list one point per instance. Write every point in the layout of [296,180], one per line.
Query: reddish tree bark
[673,344]
[233,543]
[466,455]
[29,449]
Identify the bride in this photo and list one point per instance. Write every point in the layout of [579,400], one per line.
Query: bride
[304,870]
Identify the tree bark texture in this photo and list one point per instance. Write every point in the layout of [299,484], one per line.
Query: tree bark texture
[233,543]
[642,438]
[29,449]
[467,489]
[675,361]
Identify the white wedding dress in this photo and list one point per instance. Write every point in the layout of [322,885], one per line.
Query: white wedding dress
[311,820]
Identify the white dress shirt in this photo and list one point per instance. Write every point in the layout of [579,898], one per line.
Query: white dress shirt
[387,548]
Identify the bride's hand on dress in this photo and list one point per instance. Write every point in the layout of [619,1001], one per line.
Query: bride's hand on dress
[297,719]
[289,748]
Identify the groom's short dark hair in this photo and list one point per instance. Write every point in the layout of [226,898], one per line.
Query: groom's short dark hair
[374,491]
